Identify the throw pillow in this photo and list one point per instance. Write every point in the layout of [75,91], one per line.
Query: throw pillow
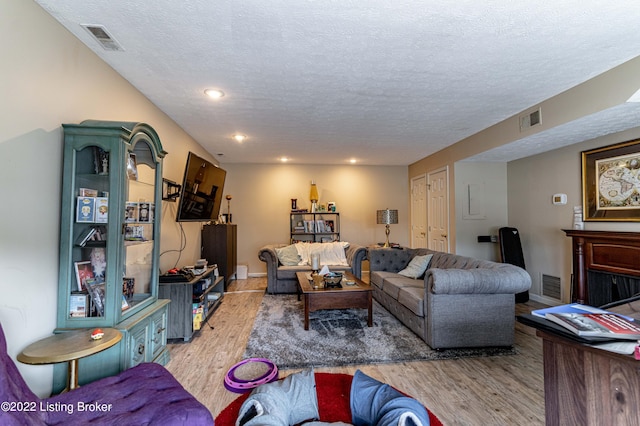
[415,269]
[288,256]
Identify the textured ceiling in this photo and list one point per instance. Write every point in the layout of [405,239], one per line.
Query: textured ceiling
[384,82]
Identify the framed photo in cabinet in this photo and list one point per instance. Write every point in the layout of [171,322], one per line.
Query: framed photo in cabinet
[84,272]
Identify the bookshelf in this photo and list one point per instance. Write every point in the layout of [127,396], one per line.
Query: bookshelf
[315,227]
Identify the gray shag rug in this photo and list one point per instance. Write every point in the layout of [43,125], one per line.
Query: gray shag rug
[340,337]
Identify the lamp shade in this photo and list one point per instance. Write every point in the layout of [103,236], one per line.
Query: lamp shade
[387,217]
[313,194]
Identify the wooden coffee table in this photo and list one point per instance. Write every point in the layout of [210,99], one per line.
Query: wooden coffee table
[357,296]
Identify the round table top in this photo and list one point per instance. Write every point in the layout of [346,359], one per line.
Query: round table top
[67,346]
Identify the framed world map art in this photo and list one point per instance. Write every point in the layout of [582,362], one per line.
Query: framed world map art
[611,182]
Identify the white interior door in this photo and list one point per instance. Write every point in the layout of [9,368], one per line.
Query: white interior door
[419,212]
[438,207]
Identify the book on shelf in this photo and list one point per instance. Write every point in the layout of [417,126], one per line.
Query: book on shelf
[78,305]
[573,308]
[607,325]
[85,236]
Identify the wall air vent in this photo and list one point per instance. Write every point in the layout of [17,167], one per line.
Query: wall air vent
[551,286]
[531,119]
[100,33]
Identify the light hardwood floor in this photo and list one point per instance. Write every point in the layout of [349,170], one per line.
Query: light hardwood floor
[504,390]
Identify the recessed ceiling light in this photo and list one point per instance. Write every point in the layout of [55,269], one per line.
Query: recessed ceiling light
[353,161]
[239,138]
[284,159]
[214,93]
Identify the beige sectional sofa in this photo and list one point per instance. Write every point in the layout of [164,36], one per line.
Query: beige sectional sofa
[458,302]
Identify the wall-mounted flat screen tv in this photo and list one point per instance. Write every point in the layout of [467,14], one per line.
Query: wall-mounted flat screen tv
[201,192]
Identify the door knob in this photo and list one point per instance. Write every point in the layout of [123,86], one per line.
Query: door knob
[443,235]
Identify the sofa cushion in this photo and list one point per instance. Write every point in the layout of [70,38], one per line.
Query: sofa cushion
[377,278]
[412,298]
[416,267]
[393,284]
[288,255]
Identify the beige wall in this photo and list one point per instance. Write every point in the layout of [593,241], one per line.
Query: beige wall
[49,78]
[262,202]
[531,183]
[491,201]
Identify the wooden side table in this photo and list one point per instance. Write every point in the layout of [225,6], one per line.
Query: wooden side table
[68,347]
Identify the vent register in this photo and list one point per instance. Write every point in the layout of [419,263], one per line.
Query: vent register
[530,120]
[102,36]
[551,286]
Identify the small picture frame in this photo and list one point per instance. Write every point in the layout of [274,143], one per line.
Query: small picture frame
[329,226]
[84,272]
[132,167]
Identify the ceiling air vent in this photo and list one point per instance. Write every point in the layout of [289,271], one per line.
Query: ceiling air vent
[100,33]
[531,119]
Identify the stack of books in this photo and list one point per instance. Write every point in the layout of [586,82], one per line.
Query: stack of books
[619,333]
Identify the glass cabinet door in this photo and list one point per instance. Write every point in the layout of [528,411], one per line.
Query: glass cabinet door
[110,224]
[87,271]
[139,226]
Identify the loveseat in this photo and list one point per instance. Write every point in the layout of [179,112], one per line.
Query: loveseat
[281,278]
[456,302]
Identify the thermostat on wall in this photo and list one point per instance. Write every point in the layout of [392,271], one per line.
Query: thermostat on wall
[559,199]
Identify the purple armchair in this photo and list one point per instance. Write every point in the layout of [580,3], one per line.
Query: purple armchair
[146,394]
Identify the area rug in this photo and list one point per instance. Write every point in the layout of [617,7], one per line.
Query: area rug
[340,337]
[333,401]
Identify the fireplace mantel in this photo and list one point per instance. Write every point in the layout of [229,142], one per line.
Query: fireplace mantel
[604,251]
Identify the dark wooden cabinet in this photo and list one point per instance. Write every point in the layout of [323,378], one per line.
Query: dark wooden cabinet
[584,385]
[219,246]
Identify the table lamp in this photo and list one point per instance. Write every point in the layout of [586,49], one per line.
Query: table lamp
[313,196]
[387,217]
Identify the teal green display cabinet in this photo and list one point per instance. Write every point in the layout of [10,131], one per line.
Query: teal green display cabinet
[109,244]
